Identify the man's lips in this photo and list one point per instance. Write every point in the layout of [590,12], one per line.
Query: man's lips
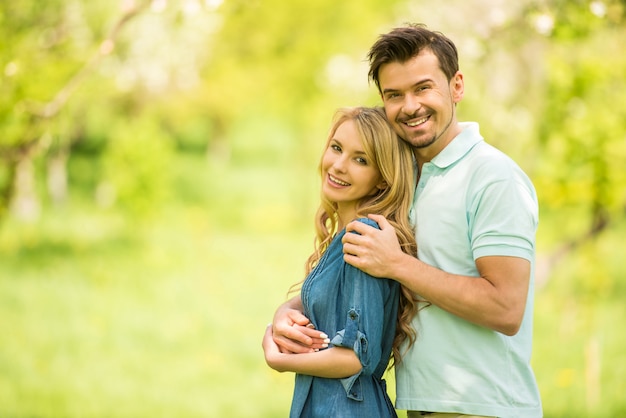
[416,122]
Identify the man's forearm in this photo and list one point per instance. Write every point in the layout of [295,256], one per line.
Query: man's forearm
[293,332]
[294,303]
[495,299]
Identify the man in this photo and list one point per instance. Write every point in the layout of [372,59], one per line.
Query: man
[475,215]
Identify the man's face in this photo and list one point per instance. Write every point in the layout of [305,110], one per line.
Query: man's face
[420,102]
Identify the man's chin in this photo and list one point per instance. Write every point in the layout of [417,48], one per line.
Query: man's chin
[420,141]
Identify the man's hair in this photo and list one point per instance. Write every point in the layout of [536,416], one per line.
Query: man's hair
[402,44]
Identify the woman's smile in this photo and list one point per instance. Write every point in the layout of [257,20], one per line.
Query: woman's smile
[336,181]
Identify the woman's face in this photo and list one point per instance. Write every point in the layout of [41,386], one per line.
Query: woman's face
[347,173]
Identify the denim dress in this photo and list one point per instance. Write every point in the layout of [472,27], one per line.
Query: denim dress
[357,311]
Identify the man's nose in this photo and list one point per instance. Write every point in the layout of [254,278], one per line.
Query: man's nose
[411,104]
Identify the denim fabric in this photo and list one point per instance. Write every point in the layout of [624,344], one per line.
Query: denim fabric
[357,311]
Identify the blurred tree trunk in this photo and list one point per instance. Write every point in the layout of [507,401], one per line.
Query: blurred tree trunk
[6,192]
[218,148]
[19,194]
[24,204]
[57,176]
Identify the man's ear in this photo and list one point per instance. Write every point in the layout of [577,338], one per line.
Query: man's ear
[457,87]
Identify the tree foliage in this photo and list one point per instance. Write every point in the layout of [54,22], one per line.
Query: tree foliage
[544,78]
[581,129]
[99,98]
[546,81]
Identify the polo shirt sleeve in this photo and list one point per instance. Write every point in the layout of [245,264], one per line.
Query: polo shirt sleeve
[504,215]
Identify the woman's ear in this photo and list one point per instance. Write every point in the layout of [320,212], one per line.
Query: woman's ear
[382,185]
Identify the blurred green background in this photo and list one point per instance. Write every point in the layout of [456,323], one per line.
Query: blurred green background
[158,183]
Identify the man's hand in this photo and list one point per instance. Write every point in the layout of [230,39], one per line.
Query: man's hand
[375,251]
[496,299]
[270,348]
[294,333]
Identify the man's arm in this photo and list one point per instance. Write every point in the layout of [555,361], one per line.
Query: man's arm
[496,299]
[293,332]
[334,362]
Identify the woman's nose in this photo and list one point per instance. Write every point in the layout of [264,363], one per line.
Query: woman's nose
[340,164]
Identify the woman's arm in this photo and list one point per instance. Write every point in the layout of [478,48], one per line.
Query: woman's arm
[292,330]
[334,362]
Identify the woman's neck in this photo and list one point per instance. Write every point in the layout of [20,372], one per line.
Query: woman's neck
[345,215]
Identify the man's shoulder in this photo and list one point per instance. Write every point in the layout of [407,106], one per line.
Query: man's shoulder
[492,158]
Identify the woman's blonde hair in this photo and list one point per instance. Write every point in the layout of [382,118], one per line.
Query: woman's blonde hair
[394,159]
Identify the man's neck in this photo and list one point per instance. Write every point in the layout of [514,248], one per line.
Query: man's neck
[424,155]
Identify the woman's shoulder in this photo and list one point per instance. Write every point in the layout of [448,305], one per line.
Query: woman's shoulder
[369,222]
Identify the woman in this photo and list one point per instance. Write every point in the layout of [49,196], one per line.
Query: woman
[365,169]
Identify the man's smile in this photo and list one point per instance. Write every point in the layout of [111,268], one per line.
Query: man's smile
[414,123]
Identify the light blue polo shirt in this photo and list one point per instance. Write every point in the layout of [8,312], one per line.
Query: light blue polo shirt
[471,201]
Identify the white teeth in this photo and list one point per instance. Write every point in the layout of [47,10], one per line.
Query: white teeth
[417,122]
[339,182]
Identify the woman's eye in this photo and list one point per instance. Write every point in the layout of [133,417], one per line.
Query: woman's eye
[336,148]
[361,160]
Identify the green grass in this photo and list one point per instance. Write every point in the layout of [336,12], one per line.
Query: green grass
[102,315]
[579,343]
[165,323]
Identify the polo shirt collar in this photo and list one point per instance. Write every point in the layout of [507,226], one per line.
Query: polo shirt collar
[459,146]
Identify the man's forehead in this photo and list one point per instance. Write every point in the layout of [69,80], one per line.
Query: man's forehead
[420,68]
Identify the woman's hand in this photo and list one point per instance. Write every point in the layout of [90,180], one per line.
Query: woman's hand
[294,333]
[333,363]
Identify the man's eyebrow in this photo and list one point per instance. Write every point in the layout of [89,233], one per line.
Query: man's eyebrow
[424,81]
[389,91]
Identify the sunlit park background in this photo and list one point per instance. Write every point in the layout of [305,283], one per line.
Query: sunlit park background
[158,181]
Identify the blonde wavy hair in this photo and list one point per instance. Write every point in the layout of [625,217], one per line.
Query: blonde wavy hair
[394,159]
